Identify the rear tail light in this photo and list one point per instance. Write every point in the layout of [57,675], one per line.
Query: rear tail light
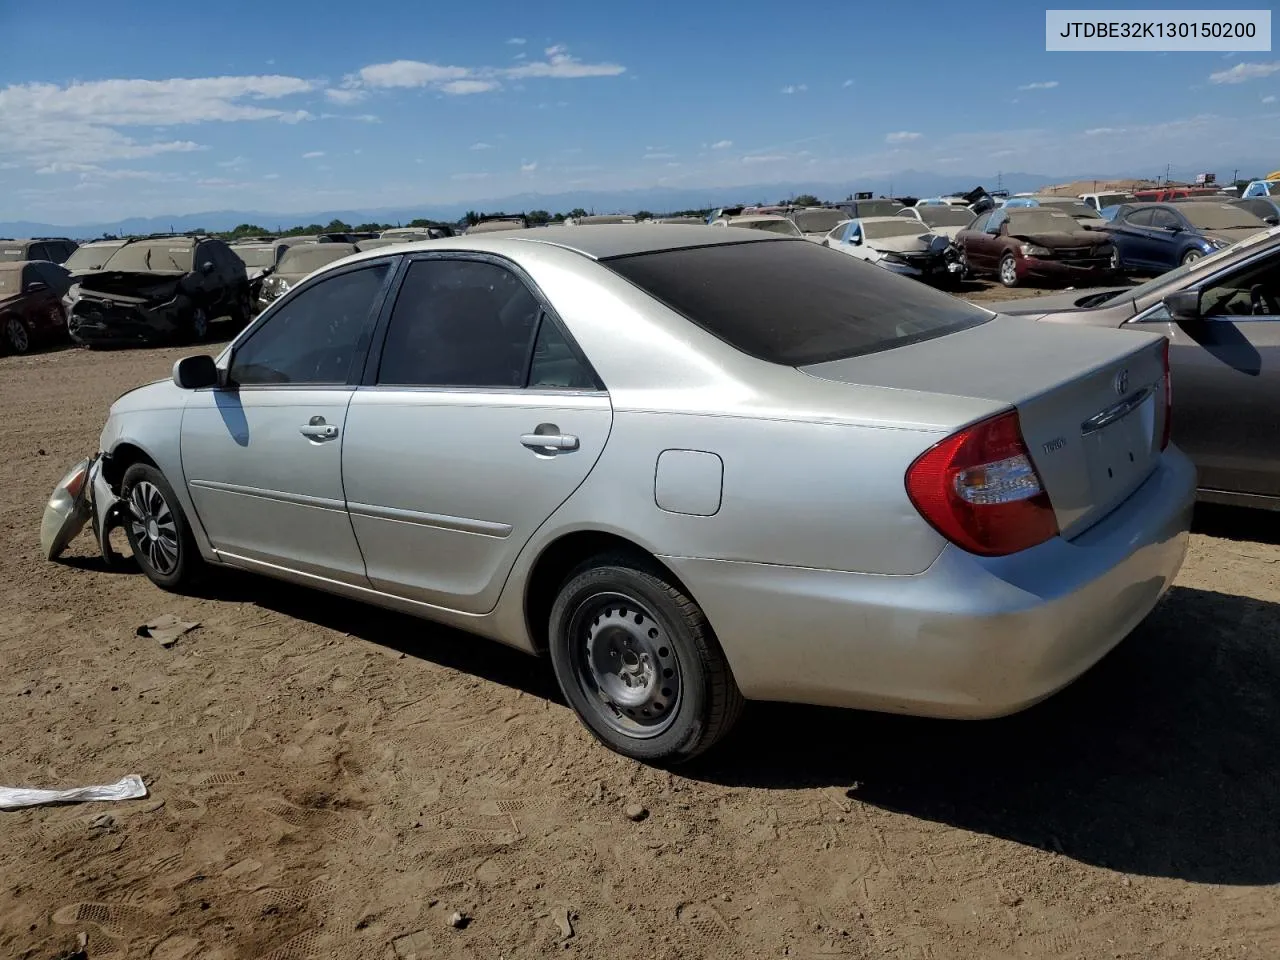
[980,490]
[1167,383]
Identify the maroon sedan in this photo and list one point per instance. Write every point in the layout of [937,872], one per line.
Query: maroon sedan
[1034,243]
[31,293]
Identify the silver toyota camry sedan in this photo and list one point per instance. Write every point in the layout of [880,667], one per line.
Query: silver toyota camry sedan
[692,465]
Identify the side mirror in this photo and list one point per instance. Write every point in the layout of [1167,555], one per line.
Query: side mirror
[207,267]
[1184,306]
[1271,221]
[195,373]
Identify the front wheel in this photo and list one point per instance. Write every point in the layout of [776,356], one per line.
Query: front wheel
[1008,270]
[1191,256]
[16,336]
[197,326]
[157,529]
[637,660]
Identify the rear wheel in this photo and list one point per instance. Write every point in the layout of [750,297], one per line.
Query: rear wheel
[1008,270]
[1117,265]
[637,660]
[16,336]
[1191,256]
[157,529]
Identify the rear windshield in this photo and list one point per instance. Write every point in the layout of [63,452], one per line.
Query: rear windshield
[1040,220]
[12,253]
[256,256]
[818,221]
[156,256]
[784,227]
[878,208]
[900,227]
[1219,216]
[946,216]
[312,256]
[91,256]
[796,303]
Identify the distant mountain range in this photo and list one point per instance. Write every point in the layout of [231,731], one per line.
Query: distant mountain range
[656,199]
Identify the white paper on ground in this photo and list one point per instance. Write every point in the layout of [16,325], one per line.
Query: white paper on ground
[15,798]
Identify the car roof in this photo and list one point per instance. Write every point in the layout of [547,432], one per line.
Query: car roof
[604,242]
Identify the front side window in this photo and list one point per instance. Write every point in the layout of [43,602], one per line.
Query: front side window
[459,323]
[313,337]
[980,224]
[1164,220]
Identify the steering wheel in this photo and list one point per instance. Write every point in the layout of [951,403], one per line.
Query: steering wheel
[1262,302]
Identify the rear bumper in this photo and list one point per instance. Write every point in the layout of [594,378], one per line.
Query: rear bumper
[970,637]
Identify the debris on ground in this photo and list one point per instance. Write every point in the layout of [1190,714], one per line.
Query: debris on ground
[166,629]
[636,812]
[564,921]
[15,798]
[458,919]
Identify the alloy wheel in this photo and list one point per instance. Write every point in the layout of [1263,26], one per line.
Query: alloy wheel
[1008,272]
[625,664]
[19,340]
[152,524]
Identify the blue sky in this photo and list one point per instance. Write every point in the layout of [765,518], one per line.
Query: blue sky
[300,107]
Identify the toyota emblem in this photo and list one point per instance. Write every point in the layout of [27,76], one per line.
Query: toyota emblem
[1122,382]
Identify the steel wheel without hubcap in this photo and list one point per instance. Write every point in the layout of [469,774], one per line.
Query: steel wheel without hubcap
[155,535]
[1192,256]
[1008,272]
[18,338]
[625,664]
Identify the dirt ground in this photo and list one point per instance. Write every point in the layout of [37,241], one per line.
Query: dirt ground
[331,781]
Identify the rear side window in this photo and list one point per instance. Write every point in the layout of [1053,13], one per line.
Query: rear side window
[794,302]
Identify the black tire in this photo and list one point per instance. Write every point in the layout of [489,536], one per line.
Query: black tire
[195,326]
[1008,272]
[661,643]
[242,310]
[1191,256]
[17,338]
[166,552]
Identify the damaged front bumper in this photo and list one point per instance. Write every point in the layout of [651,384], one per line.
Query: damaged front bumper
[81,497]
[108,322]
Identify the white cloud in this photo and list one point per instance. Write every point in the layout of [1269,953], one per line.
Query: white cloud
[409,73]
[1102,131]
[520,56]
[948,159]
[482,146]
[517,41]
[271,176]
[795,88]
[1245,71]
[1039,85]
[722,145]
[559,65]
[344,97]
[659,156]
[45,121]
[902,136]
[360,117]
[1269,99]
[558,50]
[470,176]
[312,154]
[528,166]
[233,163]
[764,158]
[464,87]
[847,83]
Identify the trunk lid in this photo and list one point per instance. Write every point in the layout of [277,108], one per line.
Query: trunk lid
[1089,400]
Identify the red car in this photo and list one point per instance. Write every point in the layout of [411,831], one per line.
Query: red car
[1034,243]
[31,293]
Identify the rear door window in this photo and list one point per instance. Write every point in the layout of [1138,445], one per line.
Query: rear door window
[1139,218]
[795,303]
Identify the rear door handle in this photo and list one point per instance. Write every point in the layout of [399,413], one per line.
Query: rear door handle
[549,441]
[317,429]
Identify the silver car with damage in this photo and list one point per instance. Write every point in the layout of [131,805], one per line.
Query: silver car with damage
[692,465]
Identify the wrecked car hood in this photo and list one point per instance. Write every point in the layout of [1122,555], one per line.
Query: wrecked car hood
[131,287]
[1075,238]
[924,243]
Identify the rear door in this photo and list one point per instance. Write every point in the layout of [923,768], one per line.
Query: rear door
[478,419]
[1226,379]
[263,455]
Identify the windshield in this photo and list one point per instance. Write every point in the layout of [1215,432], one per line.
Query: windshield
[1039,220]
[946,216]
[818,221]
[1114,199]
[154,256]
[893,228]
[796,303]
[878,208]
[256,256]
[1219,216]
[91,256]
[313,256]
[784,227]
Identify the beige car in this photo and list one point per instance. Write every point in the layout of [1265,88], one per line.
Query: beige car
[766,222]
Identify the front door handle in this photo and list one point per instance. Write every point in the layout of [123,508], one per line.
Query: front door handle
[317,429]
[549,441]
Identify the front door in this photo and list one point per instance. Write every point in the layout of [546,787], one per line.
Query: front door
[1226,381]
[263,455]
[480,420]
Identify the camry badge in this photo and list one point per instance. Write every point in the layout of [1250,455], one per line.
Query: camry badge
[1122,382]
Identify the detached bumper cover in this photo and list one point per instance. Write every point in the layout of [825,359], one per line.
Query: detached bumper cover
[970,637]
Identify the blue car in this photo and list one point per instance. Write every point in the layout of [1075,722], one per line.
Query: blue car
[1155,237]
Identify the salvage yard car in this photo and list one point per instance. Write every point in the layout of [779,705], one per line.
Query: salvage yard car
[53,249]
[1221,315]
[160,289]
[764,222]
[1159,236]
[898,245]
[1017,244]
[942,219]
[602,445]
[816,222]
[299,261]
[260,260]
[31,294]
